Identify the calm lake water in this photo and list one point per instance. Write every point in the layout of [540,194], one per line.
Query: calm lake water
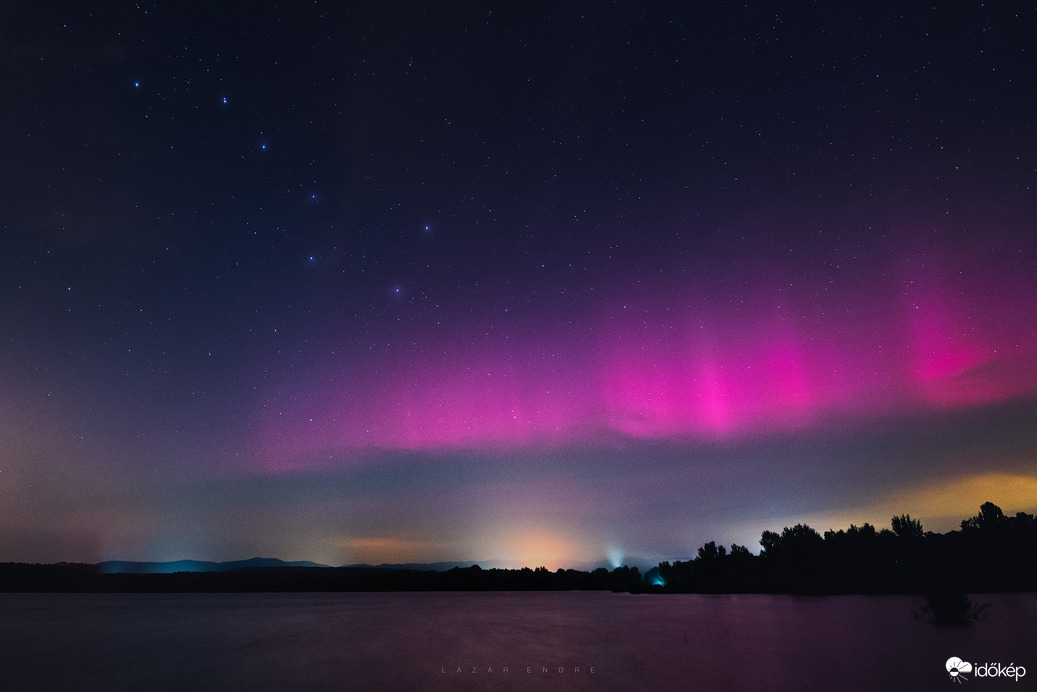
[585,640]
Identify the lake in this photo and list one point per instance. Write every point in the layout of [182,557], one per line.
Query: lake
[501,641]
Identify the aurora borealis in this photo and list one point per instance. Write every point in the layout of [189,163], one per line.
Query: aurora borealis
[546,285]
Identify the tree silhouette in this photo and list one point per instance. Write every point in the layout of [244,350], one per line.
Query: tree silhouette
[711,553]
[990,518]
[906,528]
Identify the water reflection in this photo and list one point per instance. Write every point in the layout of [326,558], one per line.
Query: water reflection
[419,640]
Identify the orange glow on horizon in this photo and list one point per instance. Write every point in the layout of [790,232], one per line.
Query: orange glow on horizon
[962,496]
[377,550]
[538,547]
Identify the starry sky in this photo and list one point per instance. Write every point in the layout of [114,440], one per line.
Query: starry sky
[545,283]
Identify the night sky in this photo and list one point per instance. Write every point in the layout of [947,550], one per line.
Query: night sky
[541,283]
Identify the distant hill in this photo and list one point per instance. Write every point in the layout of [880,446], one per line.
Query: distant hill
[131,567]
[430,566]
[270,576]
[127,567]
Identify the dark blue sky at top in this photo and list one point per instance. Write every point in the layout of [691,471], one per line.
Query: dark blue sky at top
[334,245]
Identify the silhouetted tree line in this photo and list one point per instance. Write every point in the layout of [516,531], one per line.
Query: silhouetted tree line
[17,577]
[991,552]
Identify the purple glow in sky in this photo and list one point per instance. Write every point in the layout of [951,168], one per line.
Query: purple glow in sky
[777,358]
